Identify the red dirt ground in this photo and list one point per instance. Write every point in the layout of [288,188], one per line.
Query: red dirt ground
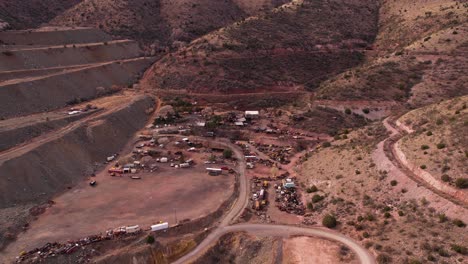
[119,201]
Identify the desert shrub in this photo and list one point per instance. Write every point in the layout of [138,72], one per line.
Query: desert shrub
[358,172]
[445,178]
[439,122]
[370,217]
[424,147]
[393,183]
[442,252]
[347,111]
[387,215]
[317,198]
[312,189]
[365,235]
[310,206]
[442,218]
[459,223]
[429,133]
[400,213]
[227,153]
[461,183]
[326,144]
[150,239]
[384,259]
[440,145]
[459,249]
[431,258]
[366,110]
[423,167]
[329,221]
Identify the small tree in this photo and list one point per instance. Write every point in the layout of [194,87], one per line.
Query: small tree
[150,239]
[227,153]
[329,221]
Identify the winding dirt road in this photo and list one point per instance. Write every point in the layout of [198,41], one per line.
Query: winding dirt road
[389,147]
[224,226]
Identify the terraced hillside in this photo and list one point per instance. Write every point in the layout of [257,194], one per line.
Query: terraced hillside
[295,46]
[44,78]
[163,21]
[66,106]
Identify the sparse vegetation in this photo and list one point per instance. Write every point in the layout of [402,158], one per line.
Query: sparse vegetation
[150,239]
[461,183]
[329,221]
[312,189]
[227,153]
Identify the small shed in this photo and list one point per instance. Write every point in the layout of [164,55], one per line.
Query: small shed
[252,114]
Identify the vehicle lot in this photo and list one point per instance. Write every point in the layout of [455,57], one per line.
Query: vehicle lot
[119,201]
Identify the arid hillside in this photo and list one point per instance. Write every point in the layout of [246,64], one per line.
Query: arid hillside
[32,13]
[296,45]
[163,21]
[422,59]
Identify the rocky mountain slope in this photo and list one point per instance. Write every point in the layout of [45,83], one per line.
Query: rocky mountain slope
[163,21]
[32,13]
[297,44]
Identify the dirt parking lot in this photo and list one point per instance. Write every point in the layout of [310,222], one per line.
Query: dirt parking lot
[120,201]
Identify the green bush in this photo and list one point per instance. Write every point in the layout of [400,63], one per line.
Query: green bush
[366,110]
[424,147]
[347,111]
[439,122]
[326,144]
[312,189]
[329,221]
[442,218]
[387,215]
[393,183]
[423,167]
[310,206]
[227,153]
[461,183]
[459,249]
[440,145]
[317,198]
[429,133]
[445,178]
[150,239]
[459,223]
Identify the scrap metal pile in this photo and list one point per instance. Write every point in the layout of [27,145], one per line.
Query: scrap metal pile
[288,200]
[276,153]
[54,249]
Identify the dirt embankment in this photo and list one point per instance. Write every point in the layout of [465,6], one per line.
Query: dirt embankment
[20,74]
[33,58]
[45,94]
[41,173]
[11,136]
